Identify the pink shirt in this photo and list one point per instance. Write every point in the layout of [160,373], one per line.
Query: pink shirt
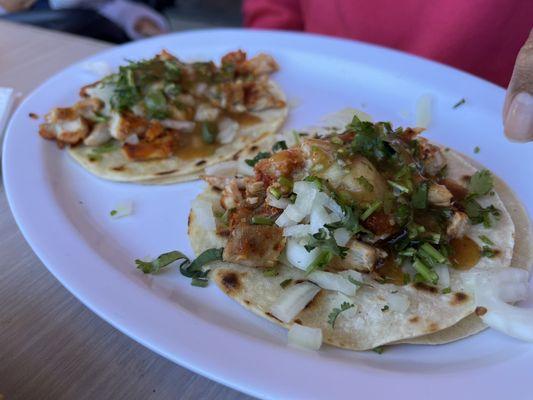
[482,37]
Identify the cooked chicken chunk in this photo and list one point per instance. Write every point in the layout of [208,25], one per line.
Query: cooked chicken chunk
[360,257]
[431,156]
[439,195]
[283,163]
[205,112]
[65,126]
[143,151]
[261,64]
[457,225]
[123,125]
[254,245]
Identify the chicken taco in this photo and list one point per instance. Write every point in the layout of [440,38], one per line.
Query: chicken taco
[362,235]
[163,120]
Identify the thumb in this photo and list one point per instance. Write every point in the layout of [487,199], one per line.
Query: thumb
[518,107]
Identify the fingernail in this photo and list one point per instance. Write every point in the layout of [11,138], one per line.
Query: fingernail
[519,119]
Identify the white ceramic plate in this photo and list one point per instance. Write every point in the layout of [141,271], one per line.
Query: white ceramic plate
[63,211]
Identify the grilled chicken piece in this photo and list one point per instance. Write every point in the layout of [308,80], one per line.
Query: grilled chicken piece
[261,64]
[439,195]
[234,57]
[283,163]
[364,183]
[257,97]
[143,151]
[232,195]
[254,245]
[431,156]
[65,126]
[123,125]
[88,107]
[360,257]
[457,225]
[99,135]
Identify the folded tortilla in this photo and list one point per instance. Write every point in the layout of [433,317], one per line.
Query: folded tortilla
[432,317]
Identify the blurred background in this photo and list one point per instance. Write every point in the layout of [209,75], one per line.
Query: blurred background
[118,21]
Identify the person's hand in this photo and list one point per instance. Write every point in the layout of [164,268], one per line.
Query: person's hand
[518,107]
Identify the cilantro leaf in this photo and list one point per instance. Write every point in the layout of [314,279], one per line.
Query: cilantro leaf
[359,283]
[195,269]
[260,156]
[278,146]
[332,317]
[419,199]
[165,259]
[325,241]
[365,184]
[480,183]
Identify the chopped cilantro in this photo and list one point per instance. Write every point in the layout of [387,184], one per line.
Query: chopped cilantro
[326,242]
[278,146]
[165,259]
[372,208]
[480,215]
[195,269]
[359,283]
[385,308]
[399,188]
[446,290]
[323,259]
[270,272]
[476,149]
[459,103]
[113,212]
[480,183]
[419,199]
[156,104]
[488,252]
[285,283]
[261,155]
[486,240]
[379,349]
[332,317]
[260,220]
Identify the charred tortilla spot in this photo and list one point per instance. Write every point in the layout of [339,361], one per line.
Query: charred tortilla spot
[33,115]
[298,321]
[216,189]
[254,148]
[297,281]
[268,314]
[201,162]
[119,168]
[166,172]
[414,319]
[480,311]
[425,287]
[433,327]
[247,302]
[459,298]
[230,281]
[466,178]
[236,156]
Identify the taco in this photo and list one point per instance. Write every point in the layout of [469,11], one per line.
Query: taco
[363,233]
[163,120]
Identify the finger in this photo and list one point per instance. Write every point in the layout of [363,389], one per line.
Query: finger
[518,106]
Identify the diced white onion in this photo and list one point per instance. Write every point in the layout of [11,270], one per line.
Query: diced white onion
[300,230]
[132,139]
[332,281]
[280,203]
[444,275]
[298,256]
[98,68]
[423,111]
[227,129]
[226,168]
[511,320]
[352,274]
[319,217]
[245,169]
[284,221]
[398,302]
[342,236]
[293,300]
[186,126]
[122,209]
[305,337]
[203,212]
[335,173]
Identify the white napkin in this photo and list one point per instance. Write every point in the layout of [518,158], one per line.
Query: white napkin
[6,103]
